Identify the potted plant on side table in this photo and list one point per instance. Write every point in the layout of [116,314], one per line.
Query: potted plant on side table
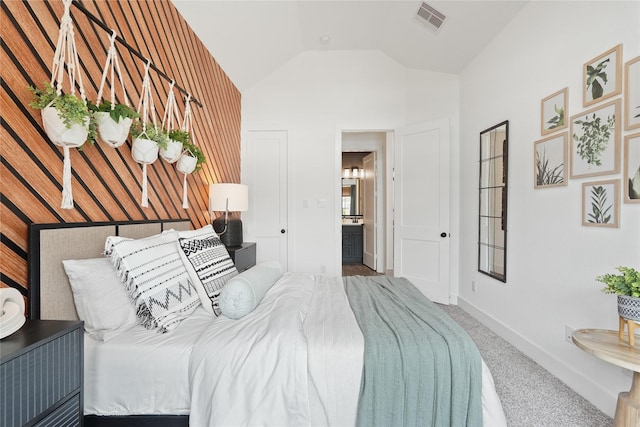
[626,286]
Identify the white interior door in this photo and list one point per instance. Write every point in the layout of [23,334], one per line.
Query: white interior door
[369,211]
[266,176]
[421,214]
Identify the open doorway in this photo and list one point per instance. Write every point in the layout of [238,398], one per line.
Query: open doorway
[363,202]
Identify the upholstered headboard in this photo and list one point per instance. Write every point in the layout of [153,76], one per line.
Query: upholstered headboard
[49,244]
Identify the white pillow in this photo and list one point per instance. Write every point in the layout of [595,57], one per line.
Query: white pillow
[244,292]
[209,266]
[155,278]
[100,299]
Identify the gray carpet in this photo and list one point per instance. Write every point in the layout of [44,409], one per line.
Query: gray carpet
[530,395]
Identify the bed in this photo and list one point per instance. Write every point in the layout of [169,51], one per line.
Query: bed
[209,370]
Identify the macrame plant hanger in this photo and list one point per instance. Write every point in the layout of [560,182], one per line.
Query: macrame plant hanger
[66,53]
[147,110]
[118,135]
[187,126]
[170,117]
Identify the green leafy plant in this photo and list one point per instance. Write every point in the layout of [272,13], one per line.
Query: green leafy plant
[545,175]
[180,136]
[599,210]
[71,109]
[558,119]
[626,283]
[595,137]
[195,151]
[594,74]
[152,132]
[117,112]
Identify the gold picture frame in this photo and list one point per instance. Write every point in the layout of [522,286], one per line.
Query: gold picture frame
[632,94]
[602,76]
[550,161]
[553,112]
[601,203]
[631,175]
[595,141]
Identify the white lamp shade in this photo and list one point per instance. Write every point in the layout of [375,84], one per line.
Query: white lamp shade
[236,194]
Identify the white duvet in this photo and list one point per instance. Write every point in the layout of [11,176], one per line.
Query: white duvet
[294,361]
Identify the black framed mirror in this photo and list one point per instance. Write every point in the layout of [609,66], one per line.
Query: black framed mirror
[492,216]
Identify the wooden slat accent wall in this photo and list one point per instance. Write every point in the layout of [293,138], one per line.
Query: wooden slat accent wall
[106,181]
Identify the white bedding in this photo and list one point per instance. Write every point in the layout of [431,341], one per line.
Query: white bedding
[302,366]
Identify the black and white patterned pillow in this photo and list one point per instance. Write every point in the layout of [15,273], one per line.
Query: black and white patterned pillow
[209,266]
[155,277]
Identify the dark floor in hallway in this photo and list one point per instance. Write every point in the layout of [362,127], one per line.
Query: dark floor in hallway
[358,270]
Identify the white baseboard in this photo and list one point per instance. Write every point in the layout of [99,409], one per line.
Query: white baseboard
[584,386]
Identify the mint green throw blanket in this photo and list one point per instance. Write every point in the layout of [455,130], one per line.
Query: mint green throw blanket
[420,367]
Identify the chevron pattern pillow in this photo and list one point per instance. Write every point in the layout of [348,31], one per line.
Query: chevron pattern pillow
[155,277]
[209,266]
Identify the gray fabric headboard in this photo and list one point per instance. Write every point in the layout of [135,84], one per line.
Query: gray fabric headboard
[49,244]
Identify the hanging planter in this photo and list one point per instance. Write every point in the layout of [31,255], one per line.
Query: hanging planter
[172,153]
[66,118]
[192,157]
[113,120]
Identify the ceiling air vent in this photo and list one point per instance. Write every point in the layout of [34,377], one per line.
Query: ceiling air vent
[432,17]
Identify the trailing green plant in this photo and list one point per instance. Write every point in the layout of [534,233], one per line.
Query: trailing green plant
[195,151]
[558,119]
[627,283]
[544,174]
[152,132]
[181,136]
[71,109]
[595,137]
[599,210]
[116,113]
[593,75]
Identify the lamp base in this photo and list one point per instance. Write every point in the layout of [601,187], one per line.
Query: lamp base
[233,235]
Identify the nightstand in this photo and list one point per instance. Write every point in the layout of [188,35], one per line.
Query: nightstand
[243,256]
[41,374]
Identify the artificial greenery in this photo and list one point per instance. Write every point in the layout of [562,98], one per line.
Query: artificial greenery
[195,152]
[545,175]
[557,120]
[117,112]
[599,210]
[627,283]
[152,132]
[595,137]
[71,109]
[594,74]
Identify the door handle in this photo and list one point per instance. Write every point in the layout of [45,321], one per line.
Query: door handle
[443,234]
[283,231]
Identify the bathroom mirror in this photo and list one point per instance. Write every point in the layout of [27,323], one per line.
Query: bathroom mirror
[351,203]
[492,241]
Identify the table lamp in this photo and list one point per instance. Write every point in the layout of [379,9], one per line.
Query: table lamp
[228,198]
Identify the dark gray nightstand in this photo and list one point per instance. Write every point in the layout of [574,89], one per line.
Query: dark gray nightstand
[41,369]
[243,256]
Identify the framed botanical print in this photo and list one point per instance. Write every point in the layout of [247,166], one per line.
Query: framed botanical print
[632,94]
[550,157]
[595,141]
[553,110]
[600,203]
[602,76]
[631,175]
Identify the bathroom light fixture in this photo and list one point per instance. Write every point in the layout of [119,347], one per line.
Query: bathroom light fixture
[346,173]
[355,172]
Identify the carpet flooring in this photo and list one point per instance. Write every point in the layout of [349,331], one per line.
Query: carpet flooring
[530,395]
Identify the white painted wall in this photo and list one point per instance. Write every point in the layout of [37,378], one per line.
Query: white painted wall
[315,97]
[552,259]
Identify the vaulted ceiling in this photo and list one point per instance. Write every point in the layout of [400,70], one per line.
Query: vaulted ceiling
[251,39]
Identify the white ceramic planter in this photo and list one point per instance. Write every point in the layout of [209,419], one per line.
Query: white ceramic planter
[59,134]
[173,151]
[186,163]
[111,132]
[144,150]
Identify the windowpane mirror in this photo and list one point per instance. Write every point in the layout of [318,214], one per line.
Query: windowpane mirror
[492,213]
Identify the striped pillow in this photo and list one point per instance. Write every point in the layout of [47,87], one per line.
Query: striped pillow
[209,266]
[153,274]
